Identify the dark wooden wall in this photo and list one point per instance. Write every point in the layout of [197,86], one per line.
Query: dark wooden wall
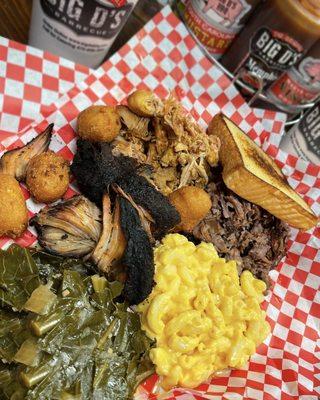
[15,18]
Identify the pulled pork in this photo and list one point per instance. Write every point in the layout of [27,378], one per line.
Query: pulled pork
[171,142]
[242,231]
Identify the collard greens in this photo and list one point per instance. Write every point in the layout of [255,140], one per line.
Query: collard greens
[19,276]
[87,346]
[12,334]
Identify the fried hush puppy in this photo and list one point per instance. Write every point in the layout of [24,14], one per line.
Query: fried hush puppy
[47,177]
[99,123]
[144,103]
[13,209]
[192,203]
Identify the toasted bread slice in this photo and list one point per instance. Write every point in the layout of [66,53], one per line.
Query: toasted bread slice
[253,175]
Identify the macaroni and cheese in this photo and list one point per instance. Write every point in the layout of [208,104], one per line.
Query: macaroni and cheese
[203,316]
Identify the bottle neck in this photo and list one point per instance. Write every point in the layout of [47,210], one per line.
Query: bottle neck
[303,13]
[313,6]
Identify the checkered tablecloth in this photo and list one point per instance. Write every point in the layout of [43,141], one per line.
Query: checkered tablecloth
[164,58]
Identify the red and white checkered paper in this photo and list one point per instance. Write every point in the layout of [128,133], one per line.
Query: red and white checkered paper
[163,57]
[30,81]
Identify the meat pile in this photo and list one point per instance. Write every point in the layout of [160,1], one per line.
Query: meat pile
[119,240]
[134,214]
[170,141]
[139,214]
[242,231]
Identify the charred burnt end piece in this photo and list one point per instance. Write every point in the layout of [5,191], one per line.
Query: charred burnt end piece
[144,212]
[164,214]
[95,168]
[145,217]
[138,256]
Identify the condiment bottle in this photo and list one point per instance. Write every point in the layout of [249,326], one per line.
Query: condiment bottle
[275,38]
[300,85]
[303,139]
[217,22]
[81,30]
[180,5]
[146,9]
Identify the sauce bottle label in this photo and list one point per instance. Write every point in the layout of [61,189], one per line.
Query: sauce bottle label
[310,129]
[216,22]
[98,18]
[300,85]
[271,52]
[80,30]
[303,140]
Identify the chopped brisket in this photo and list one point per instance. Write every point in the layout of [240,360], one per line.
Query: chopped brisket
[242,231]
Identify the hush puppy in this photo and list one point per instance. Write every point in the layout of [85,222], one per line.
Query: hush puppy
[13,209]
[144,103]
[192,203]
[47,177]
[99,123]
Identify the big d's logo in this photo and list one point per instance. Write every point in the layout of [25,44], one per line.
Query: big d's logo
[275,49]
[100,18]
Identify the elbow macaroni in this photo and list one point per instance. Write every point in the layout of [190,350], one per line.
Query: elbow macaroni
[203,316]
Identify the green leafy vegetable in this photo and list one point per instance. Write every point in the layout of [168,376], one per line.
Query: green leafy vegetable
[41,299]
[19,276]
[84,346]
[51,267]
[12,334]
[10,387]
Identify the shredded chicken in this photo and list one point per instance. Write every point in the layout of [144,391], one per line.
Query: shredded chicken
[138,126]
[129,148]
[155,104]
[178,149]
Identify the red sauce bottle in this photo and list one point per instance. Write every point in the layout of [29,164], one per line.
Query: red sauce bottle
[300,85]
[217,22]
[275,38]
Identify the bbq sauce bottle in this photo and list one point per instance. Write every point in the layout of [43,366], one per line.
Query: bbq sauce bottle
[303,140]
[274,40]
[217,22]
[300,85]
[80,30]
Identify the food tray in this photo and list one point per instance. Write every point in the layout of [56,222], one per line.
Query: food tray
[164,57]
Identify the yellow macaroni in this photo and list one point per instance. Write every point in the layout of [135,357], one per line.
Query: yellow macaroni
[203,316]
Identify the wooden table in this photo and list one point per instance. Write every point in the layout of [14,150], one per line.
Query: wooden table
[15,19]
